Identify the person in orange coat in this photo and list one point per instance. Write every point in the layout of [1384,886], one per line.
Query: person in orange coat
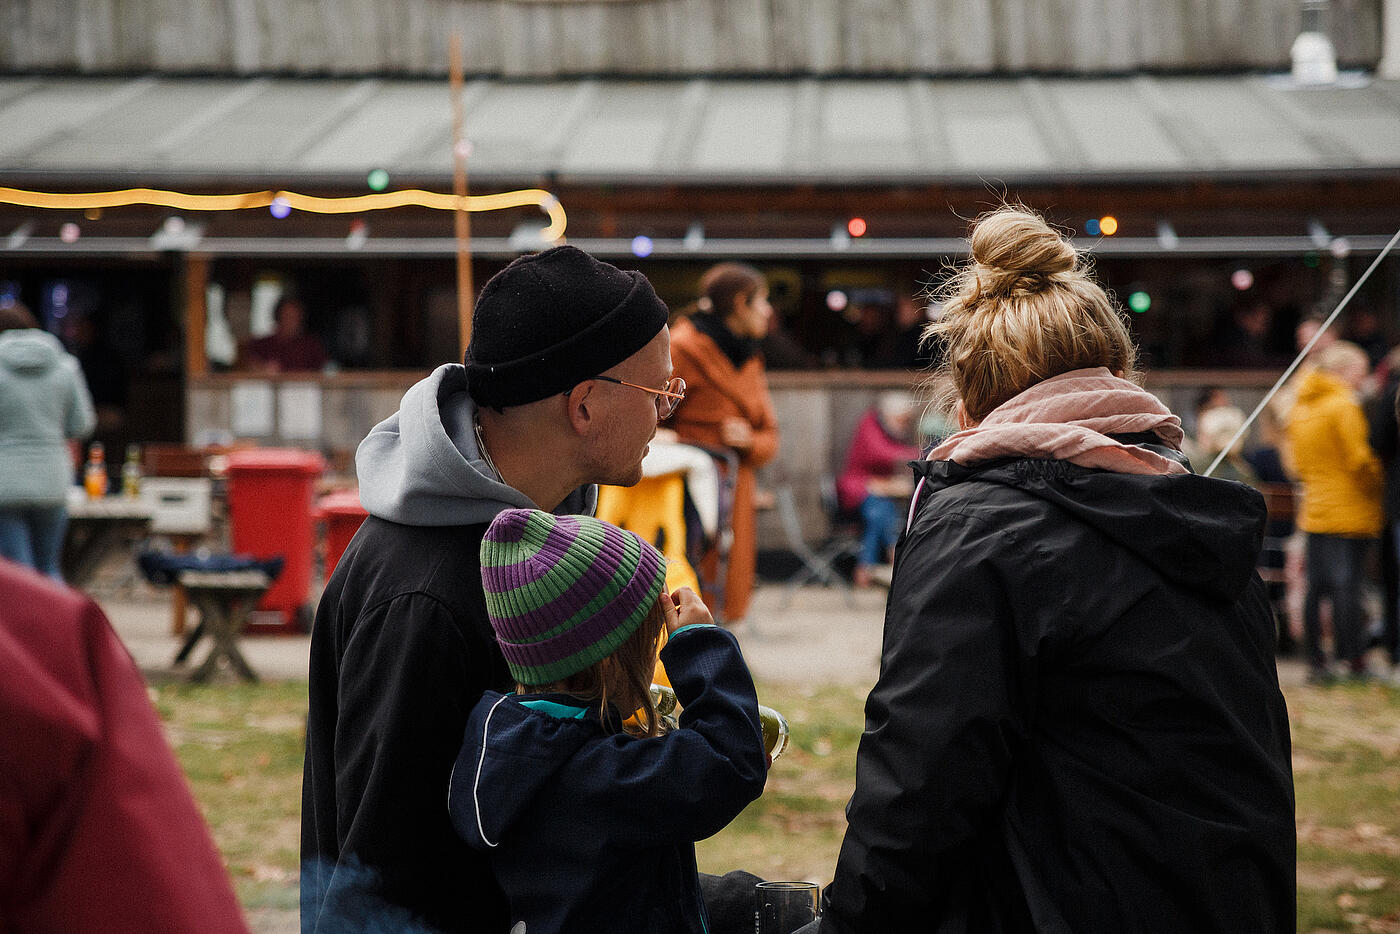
[727,405]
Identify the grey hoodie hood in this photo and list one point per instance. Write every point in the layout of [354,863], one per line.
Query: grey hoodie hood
[421,465]
[30,351]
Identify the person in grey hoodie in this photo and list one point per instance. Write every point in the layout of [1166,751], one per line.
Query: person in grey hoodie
[566,377]
[44,402]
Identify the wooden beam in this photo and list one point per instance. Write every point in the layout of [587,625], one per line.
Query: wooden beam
[196,281]
[461,218]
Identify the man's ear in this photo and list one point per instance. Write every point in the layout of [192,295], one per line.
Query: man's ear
[578,408]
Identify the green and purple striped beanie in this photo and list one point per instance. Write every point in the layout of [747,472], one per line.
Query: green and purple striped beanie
[564,591]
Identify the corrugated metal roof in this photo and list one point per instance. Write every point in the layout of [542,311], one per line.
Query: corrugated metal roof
[172,130]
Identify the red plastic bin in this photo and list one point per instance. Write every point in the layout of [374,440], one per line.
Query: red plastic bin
[343,515]
[271,496]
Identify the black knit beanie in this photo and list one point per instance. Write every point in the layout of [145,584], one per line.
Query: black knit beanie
[549,321]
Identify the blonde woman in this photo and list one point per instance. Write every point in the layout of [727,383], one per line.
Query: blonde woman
[1077,725]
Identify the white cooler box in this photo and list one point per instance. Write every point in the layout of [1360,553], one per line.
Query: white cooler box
[179,505]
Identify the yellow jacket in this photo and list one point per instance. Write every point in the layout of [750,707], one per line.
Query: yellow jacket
[1332,458]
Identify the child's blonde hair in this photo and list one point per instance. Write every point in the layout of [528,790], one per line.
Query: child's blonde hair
[623,679]
[1023,310]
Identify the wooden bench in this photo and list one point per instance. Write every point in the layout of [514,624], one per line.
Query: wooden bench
[223,600]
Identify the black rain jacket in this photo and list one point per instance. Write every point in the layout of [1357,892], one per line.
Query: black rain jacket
[1077,725]
[591,830]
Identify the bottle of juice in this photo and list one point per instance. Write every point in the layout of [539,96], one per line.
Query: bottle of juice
[95,472]
[131,472]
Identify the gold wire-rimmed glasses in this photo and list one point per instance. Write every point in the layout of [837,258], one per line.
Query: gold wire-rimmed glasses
[667,398]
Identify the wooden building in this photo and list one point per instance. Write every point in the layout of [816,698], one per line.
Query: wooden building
[840,145]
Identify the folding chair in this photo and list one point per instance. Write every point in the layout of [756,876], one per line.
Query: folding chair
[818,564]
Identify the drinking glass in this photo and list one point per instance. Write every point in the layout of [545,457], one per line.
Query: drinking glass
[783,907]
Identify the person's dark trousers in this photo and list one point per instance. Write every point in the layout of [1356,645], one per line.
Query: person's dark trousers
[1335,571]
[33,536]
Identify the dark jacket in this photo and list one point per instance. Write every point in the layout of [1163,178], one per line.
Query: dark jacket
[1385,441]
[401,651]
[593,830]
[1077,725]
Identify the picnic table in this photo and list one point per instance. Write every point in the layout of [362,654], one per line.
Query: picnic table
[95,527]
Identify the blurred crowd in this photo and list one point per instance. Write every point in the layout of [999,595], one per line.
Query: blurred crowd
[1324,452]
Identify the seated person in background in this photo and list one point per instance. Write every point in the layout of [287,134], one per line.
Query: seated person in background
[875,482]
[1216,429]
[289,348]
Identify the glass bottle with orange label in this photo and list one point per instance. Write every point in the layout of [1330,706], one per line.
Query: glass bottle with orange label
[95,471]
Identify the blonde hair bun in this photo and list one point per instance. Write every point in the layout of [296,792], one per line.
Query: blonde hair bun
[1012,245]
[1023,310]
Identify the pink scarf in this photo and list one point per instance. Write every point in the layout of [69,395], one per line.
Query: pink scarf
[1069,418]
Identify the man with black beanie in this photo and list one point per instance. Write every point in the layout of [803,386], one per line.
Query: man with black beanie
[568,370]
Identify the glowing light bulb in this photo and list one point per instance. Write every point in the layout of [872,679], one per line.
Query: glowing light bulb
[1139,301]
[642,246]
[837,300]
[1242,279]
[69,232]
[1091,227]
[1109,225]
[280,207]
[856,227]
[378,180]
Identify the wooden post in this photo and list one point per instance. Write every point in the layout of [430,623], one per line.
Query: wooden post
[196,275]
[461,218]
[196,283]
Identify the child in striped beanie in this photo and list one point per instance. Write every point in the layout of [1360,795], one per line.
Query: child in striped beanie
[590,827]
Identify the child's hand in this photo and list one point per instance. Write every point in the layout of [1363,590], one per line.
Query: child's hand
[684,608]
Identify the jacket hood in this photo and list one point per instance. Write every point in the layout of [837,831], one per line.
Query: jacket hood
[1319,384]
[30,351]
[492,788]
[1199,531]
[421,465]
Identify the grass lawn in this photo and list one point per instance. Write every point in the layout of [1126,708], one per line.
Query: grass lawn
[241,746]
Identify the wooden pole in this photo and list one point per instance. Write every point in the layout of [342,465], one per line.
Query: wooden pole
[461,218]
[196,280]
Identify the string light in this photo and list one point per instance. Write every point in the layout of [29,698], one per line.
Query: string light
[353,204]
[856,227]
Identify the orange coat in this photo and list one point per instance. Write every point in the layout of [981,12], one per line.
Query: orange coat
[715,391]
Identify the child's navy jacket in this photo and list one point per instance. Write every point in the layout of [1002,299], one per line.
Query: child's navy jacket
[593,830]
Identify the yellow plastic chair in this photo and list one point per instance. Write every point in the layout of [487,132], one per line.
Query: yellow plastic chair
[654,509]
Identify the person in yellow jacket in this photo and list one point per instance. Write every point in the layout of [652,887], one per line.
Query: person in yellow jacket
[1341,513]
